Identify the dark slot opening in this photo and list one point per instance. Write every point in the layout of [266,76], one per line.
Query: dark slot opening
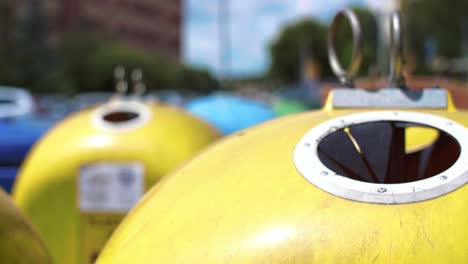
[120,116]
[378,152]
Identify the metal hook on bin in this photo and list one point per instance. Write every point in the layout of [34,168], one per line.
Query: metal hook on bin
[139,86]
[121,85]
[346,77]
[396,45]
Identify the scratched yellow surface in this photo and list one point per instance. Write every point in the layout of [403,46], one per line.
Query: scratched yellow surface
[243,201]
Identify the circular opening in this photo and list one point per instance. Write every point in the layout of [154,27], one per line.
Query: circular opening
[385,157]
[120,116]
[388,152]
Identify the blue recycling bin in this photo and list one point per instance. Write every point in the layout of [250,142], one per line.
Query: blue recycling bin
[17,136]
[230,113]
[7,177]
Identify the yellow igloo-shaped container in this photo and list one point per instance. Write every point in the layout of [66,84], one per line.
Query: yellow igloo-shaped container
[19,241]
[293,190]
[90,169]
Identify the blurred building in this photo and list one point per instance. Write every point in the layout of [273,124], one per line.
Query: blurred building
[153,25]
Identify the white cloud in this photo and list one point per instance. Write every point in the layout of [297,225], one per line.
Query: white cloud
[384,6]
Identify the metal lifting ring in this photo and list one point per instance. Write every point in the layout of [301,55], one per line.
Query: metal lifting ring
[139,86]
[121,85]
[345,76]
[396,45]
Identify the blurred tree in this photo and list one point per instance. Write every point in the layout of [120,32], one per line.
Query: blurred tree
[80,62]
[76,51]
[303,38]
[200,79]
[37,67]
[90,62]
[7,21]
[29,62]
[438,24]
[7,31]
[308,38]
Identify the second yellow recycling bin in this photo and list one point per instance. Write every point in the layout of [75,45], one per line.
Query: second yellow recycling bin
[88,171]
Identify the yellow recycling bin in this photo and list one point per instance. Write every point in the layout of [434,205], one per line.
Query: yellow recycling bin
[88,171]
[352,183]
[19,241]
[265,196]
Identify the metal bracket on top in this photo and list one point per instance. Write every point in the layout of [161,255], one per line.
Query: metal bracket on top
[433,98]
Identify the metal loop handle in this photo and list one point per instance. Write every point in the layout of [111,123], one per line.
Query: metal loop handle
[121,85]
[139,86]
[396,45]
[346,77]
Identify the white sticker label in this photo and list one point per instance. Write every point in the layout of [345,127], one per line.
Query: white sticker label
[110,187]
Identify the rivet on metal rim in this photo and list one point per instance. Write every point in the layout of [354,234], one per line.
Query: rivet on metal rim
[443,177]
[382,190]
[324,173]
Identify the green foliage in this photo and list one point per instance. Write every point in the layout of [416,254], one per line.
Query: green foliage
[304,38]
[309,38]
[80,62]
[25,58]
[443,21]
[6,21]
[91,60]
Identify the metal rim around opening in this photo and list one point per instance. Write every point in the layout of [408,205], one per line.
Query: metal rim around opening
[310,166]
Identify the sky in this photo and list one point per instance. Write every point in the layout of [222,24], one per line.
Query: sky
[254,24]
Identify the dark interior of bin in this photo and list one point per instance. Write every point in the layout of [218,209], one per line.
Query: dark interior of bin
[120,116]
[375,152]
